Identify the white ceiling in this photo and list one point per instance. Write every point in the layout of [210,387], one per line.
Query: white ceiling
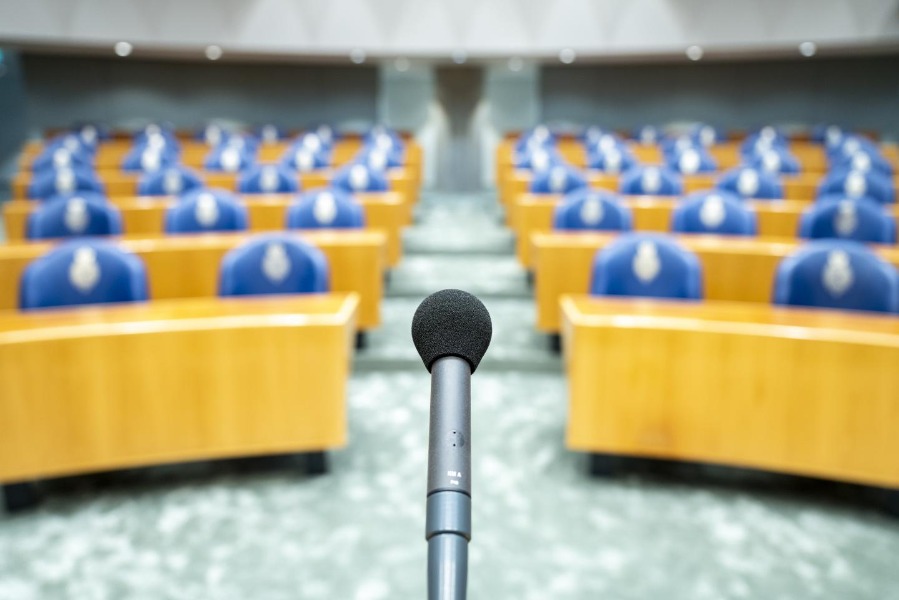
[436,28]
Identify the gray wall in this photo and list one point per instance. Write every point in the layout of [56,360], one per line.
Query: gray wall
[861,93]
[62,90]
[12,116]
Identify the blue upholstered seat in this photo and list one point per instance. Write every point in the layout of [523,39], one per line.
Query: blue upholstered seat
[268,179]
[838,274]
[274,264]
[74,215]
[651,180]
[593,210]
[358,177]
[713,211]
[203,209]
[327,208]
[169,181]
[749,182]
[838,217]
[648,265]
[83,271]
[558,179]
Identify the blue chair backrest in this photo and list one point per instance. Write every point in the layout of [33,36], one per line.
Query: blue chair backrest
[775,161]
[539,136]
[558,179]
[74,215]
[766,138]
[60,158]
[358,177]
[647,265]
[270,133]
[274,264]
[326,133]
[837,274]
[844,218]
[715,211]
[304,160]
[170,181]
[748,182]
[612,160]
[313,142]
[63,181]
[691,160]
[863,160]
[325,208]
[72,142]
[858,184]
[850,144]
[229,158]
[827,134]
[379,159]
[605,142]
[84,271]
[379,135]
[203,209]
[537,159]
[213,134]
[592,210]
[648,134]
[149,159]
[706,135]
[651,180]
[156,130]
[268,179]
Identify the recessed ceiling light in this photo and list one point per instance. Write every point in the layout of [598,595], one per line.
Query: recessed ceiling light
[808,48]
[213,52]
[515,64]
[695,52]
[567,55]
[401,64]
[123,49]
[357,55]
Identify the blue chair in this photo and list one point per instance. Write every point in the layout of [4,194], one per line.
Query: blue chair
[590,135]
[72,142]
[652,181]
[84,271]
[379,159]
[203,209]
[691,160]
[377,136]
[648,134]
[775,161]
[312,142]
[61,158]
[63,181]
[171,181]
[268,179]
[360,178]
[849,145]
[229,158]
[326,134]
[766,138]
[646,265]
[858,184]
[537,159]
[863,160]
[591,210]
[539,136]
[614,160]
[605,143]
[558,179]
[839,274]
[91,134]
[213,134]
[149,159]
[719,212]
[325,208]
[163,131]
[75,215]
[304,160]
[270,133]
[843,218]
[705,135]
[829,135]
[672,147]
[274,264]
[748,182]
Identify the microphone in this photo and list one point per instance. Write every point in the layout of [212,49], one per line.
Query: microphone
[451,330]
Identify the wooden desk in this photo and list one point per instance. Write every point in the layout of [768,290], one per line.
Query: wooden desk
[97,388]
[776,218]
[187,266]
[145,215]
[121,184]
[734,268]
[809,392]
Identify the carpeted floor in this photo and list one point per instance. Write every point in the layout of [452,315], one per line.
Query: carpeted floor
[543,529]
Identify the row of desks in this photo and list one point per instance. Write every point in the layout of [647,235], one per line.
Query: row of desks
[533,213]
[145,216]
[736,269]
[111,154]
[811,156]
[121,184]
[99,388]
[187,266]
[808,392]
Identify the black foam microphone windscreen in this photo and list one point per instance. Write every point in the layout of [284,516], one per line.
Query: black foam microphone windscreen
[451,323]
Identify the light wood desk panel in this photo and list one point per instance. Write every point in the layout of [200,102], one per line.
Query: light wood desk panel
[98,388]
[733,268]
[808,392]
[187,266]
[145,215]
[775,218]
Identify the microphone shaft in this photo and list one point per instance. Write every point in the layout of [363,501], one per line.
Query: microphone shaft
[448,528]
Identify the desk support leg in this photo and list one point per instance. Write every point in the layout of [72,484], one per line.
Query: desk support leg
[604,465]
[20,496]
[891,502]
[361,340]
[555,343]
[316,463]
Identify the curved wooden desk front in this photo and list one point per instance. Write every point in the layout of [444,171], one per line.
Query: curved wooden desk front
[775,218]
[96,388]
[187,266]
[145,215]
[735,269]
[797,391]
[121,184]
